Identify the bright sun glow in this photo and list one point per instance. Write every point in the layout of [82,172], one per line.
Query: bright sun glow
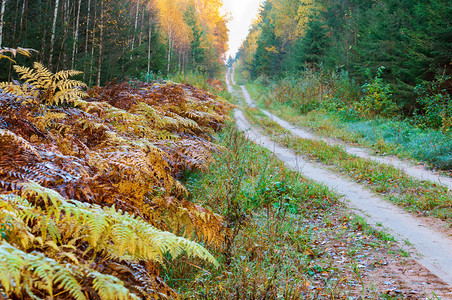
[242,12]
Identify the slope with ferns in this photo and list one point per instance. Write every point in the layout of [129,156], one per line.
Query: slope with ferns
[90,204]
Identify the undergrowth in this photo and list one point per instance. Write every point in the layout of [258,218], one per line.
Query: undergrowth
[91,205]
[292,238]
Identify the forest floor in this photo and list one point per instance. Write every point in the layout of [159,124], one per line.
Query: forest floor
[427,239]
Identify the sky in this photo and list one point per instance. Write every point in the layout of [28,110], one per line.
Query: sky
[243,12]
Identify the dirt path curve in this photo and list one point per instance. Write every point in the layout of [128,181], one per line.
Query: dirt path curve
[435,248]
[416,171]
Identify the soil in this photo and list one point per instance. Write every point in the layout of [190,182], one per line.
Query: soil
[427,240]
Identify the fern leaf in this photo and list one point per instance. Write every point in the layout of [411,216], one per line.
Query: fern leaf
[109,287]
[68,283]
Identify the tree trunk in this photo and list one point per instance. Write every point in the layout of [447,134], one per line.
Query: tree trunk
[87,26]
[169,52]
[2,14]
[22,15]
[77,23]
[149,43]
[91,61]
[52,38]
[136,25]
[21,26]
[101,35]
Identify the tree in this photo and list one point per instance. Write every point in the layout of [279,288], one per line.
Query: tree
[2,15]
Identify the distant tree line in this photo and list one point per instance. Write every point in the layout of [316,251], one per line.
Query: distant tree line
[410,39]
[108,39]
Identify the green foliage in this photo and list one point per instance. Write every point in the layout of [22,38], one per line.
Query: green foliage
[310,49]
[304,90]
[436,105]
[377,99]
[411,39]
[150,76]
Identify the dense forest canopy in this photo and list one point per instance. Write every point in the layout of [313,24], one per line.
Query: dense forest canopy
[108,39]
[411,40]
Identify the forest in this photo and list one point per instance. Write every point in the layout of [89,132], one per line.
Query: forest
[406,45]
[138,162]
[115,39]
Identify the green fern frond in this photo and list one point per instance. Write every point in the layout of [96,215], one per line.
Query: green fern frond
[121,231]
[110,288]
[20,272]
[18,267]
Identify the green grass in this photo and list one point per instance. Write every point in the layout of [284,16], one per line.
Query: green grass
[384,136]
[421,197]
[293,239]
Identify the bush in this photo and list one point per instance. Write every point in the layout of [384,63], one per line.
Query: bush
[377,100]
[304,90]
[436,105]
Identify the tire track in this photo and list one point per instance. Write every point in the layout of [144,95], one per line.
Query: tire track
[434,247]
[417,171]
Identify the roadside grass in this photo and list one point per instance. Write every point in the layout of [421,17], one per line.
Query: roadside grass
[383,136]
[421,197]
[201,80]
[292,238]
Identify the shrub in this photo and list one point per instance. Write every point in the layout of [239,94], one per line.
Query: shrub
[377,100]
[436,105]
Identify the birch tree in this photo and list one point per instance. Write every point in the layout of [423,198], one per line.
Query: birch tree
[136,24]
[77,23]
[87,26]
[101,36]
[2,15]
[52,38]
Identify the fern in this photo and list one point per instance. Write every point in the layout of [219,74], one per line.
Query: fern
[14,51]
[52,89]
[118,154]
[123,236]
[8,137]
[22,272]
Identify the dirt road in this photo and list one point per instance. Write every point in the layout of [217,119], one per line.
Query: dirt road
[434,247]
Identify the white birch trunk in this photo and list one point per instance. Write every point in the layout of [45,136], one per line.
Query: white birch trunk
[149,44]
[22,16]
[136,25]
[101,35]
[93,44]
[87,26]
[77,23]
[169,51]
[52,38]
[2,14]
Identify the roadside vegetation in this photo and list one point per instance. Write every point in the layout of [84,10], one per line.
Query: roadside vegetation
[90,201]
[385,136]
[291,238]
[421,197]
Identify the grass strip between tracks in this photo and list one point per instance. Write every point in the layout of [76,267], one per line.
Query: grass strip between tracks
[422,197]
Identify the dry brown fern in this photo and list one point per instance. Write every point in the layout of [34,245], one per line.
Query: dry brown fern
[123,147]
